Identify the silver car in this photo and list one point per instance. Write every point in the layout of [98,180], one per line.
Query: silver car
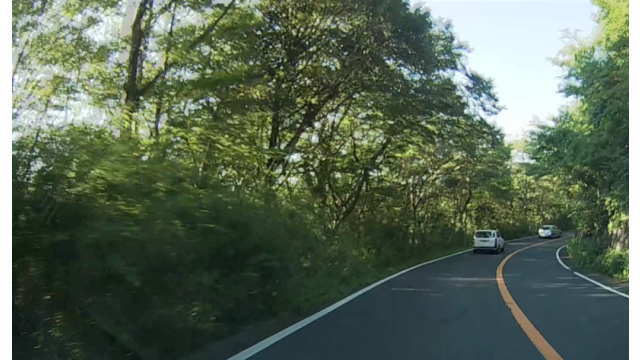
[549,231]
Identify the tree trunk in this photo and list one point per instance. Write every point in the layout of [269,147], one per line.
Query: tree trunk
[131,88]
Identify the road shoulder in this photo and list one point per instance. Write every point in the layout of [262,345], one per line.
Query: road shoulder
[618,285]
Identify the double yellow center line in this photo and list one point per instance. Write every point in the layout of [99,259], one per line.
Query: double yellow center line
[529,329]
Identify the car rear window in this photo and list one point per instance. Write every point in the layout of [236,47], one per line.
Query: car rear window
[483,234]
[547,227]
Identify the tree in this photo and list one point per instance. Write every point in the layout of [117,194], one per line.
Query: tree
[589,143]
[289,150]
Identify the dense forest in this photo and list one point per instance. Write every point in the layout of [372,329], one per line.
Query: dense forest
[185,169]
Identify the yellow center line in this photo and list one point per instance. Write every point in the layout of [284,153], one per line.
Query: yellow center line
[529,329]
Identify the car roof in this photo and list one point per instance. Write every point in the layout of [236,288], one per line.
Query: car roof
[487,230]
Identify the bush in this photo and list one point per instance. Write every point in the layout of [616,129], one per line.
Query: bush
[117,248]
[589,253]
[615,263]
[584,252]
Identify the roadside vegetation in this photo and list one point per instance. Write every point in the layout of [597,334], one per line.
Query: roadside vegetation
[184,169]
[587,147]
[592,255]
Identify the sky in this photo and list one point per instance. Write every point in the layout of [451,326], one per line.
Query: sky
[512,43]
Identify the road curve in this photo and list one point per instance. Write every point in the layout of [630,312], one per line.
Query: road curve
[453,309]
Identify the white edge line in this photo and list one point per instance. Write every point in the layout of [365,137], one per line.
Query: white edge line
[304,322]
[586,277]
[559,260]
[601,285]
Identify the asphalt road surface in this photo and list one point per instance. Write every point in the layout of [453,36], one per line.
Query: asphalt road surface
[453,309]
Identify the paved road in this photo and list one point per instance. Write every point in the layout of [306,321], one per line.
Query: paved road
[452,309]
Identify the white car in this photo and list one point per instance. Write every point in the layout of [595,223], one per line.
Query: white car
[488,240]
[549,231]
